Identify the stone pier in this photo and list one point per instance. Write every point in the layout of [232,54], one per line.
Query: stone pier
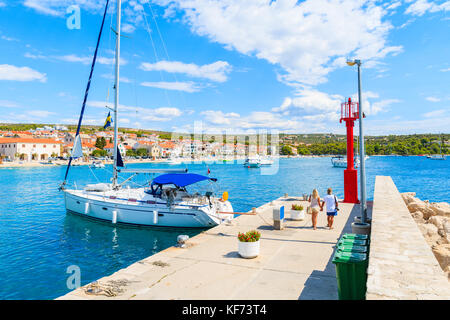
[294,263]
[401,263]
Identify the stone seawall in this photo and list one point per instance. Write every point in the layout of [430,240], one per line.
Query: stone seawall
[433,220]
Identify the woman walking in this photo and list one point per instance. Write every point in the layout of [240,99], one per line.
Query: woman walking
[314,199]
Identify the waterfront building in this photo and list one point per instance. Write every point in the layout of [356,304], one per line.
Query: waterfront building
[29,149]
[86,147]
[110,147]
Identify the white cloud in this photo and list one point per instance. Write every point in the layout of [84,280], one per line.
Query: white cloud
[216,121]
[435,113]
[121,78]
[127,28]
[380,106]
[42,6]
[218,117]
[309,101]
[445,70]
[371,107]
[40,113]
[393,5]
[10,72]
[307,39]
[2,4]
[216,71]
[9,104]
[34,56]
[178,86]
[9,38]
[87,59]
[145,114]
[432,99]
[420,7]
[104,60]
[132,10]
[74,58]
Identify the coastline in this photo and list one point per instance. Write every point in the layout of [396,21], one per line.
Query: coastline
[32,164]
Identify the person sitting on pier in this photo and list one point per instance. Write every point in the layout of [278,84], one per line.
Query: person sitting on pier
[314,199]
[332,207]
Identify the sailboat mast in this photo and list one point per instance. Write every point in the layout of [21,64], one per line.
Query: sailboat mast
[116,97]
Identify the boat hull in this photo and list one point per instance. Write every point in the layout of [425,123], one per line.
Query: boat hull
[138,213]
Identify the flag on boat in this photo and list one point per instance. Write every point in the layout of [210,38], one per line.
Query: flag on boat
[77,150]
[119,158]
[108,121]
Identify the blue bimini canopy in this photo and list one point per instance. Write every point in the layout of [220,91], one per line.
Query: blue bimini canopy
[180,179]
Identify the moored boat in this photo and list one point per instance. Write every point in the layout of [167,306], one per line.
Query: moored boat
[165,201]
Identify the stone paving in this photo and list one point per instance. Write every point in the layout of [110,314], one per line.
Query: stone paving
[401,263]
[294,263]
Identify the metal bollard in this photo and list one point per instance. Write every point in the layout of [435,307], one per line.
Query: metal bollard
[278,218]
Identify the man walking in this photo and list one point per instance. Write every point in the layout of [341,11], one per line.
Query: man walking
[331,203]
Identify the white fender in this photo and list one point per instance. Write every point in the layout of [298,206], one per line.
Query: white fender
[86,208]
[114,217]
[225,206]
[155,217]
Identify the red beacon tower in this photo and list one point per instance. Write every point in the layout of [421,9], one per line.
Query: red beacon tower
[350,113]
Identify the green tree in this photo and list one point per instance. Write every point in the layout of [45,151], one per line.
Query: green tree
[286,150]
[100,143]
[142,152]
[99,153]
[131,153]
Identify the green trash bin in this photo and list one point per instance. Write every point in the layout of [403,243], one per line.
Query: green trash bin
[354,242]
[351,274]
[355,236]
[352,248]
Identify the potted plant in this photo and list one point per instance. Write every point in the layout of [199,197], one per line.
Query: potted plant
[297,212]
[249,244]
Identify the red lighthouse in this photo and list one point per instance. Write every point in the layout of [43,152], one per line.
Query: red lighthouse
[350,113]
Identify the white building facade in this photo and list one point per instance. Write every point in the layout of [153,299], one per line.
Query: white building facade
[29,149]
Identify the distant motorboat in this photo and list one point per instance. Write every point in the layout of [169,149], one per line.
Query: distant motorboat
[252,162]
[97,164]
[266,162]
[436,157]
[341,162]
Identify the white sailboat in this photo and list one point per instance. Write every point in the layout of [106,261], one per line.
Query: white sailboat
[165,202]
[439,156]
[252,162]
[341,162]
[266,162]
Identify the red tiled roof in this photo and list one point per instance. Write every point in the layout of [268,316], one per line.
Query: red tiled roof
[28,140]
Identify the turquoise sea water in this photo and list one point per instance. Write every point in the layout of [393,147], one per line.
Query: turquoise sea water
[38,240]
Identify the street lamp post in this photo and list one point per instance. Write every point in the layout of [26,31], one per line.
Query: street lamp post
[362,177]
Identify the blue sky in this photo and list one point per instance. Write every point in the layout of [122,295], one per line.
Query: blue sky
[241,66]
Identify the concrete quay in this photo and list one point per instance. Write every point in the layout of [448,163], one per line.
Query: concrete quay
[294,263]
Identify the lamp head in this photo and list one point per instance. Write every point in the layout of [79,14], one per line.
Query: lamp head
[353,62]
